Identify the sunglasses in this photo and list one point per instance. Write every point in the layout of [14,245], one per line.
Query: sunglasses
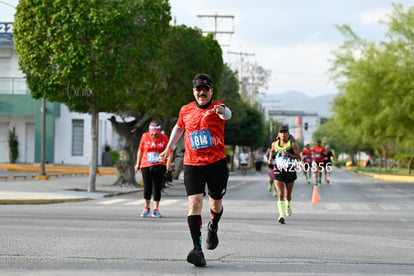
[202,88]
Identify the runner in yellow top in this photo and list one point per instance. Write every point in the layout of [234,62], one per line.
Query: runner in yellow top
[287,157]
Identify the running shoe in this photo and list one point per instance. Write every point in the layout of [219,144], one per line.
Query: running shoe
[281,220]
[212,239]
[196,257]
[156,213]
[288,211]
[145,213]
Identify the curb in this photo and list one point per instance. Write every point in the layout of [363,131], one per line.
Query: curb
[59,200]
[41,201]
[386,177]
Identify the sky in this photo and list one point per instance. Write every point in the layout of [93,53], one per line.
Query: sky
[293,39]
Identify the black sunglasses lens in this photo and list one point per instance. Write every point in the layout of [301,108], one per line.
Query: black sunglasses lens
[202,88]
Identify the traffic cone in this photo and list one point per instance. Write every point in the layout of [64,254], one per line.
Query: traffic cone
[315,197]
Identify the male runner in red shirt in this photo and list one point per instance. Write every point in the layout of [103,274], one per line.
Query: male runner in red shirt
[204,161]
[319,152]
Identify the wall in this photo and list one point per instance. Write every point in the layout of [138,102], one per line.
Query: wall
[63,137]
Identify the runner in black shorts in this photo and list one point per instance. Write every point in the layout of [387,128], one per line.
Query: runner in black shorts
[286,154]
[285,175]
[327,163]
[204,161]
[214,175]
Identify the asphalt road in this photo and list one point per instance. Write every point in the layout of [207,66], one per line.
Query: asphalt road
[360,226]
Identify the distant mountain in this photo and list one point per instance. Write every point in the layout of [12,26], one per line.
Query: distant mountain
[299,101]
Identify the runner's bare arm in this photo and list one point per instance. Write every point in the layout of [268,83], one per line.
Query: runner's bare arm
[174,137]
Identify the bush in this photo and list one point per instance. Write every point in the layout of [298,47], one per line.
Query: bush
[13,146]
[403,160]
[115,156]
[107,148]
[338,164]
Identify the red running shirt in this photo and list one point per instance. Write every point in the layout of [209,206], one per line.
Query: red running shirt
[318,153]
[151,149]
[203,136]
[307,156]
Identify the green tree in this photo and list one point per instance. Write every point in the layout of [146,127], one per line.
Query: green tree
[376,86]
[103,47]
[185,52]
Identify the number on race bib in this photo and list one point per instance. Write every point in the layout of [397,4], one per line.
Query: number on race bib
[152,157]
[201,139]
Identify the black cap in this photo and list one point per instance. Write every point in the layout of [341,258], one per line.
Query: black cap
[284,128]
[202,80]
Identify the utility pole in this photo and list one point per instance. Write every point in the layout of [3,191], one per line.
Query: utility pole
[240,54]
[43,175]
[216,31]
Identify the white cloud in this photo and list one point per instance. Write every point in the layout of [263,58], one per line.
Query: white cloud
[373,16]
[301,67]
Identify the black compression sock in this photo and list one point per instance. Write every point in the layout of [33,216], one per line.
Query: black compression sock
[215,217]
[195,224]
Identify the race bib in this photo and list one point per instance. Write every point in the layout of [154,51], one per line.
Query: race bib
[152,157]
[308,159]
[284,162]
[201,139]
[318,155]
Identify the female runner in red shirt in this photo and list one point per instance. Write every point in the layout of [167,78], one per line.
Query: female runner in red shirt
[153,171]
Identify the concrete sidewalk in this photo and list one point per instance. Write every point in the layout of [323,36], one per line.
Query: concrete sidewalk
[60,189]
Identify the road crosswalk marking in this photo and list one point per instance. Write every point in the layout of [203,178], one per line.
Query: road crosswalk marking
[112,201]
[169,202]
[139,202]
[295,205]
[332,206]
[136,202]
[361,206]
[389,207]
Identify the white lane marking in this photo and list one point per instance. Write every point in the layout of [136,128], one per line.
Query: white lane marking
[333,206]
[168,202]
[389,207]
[136,202]
[361,206]
[112,201]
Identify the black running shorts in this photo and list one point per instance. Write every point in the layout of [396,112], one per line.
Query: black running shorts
[215,175]
[285,175]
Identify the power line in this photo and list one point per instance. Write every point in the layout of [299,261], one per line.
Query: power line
[303,74]
[215,31]
[240,54]
[216,16]
[7,4]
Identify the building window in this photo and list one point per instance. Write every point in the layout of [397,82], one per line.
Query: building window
[77,137]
